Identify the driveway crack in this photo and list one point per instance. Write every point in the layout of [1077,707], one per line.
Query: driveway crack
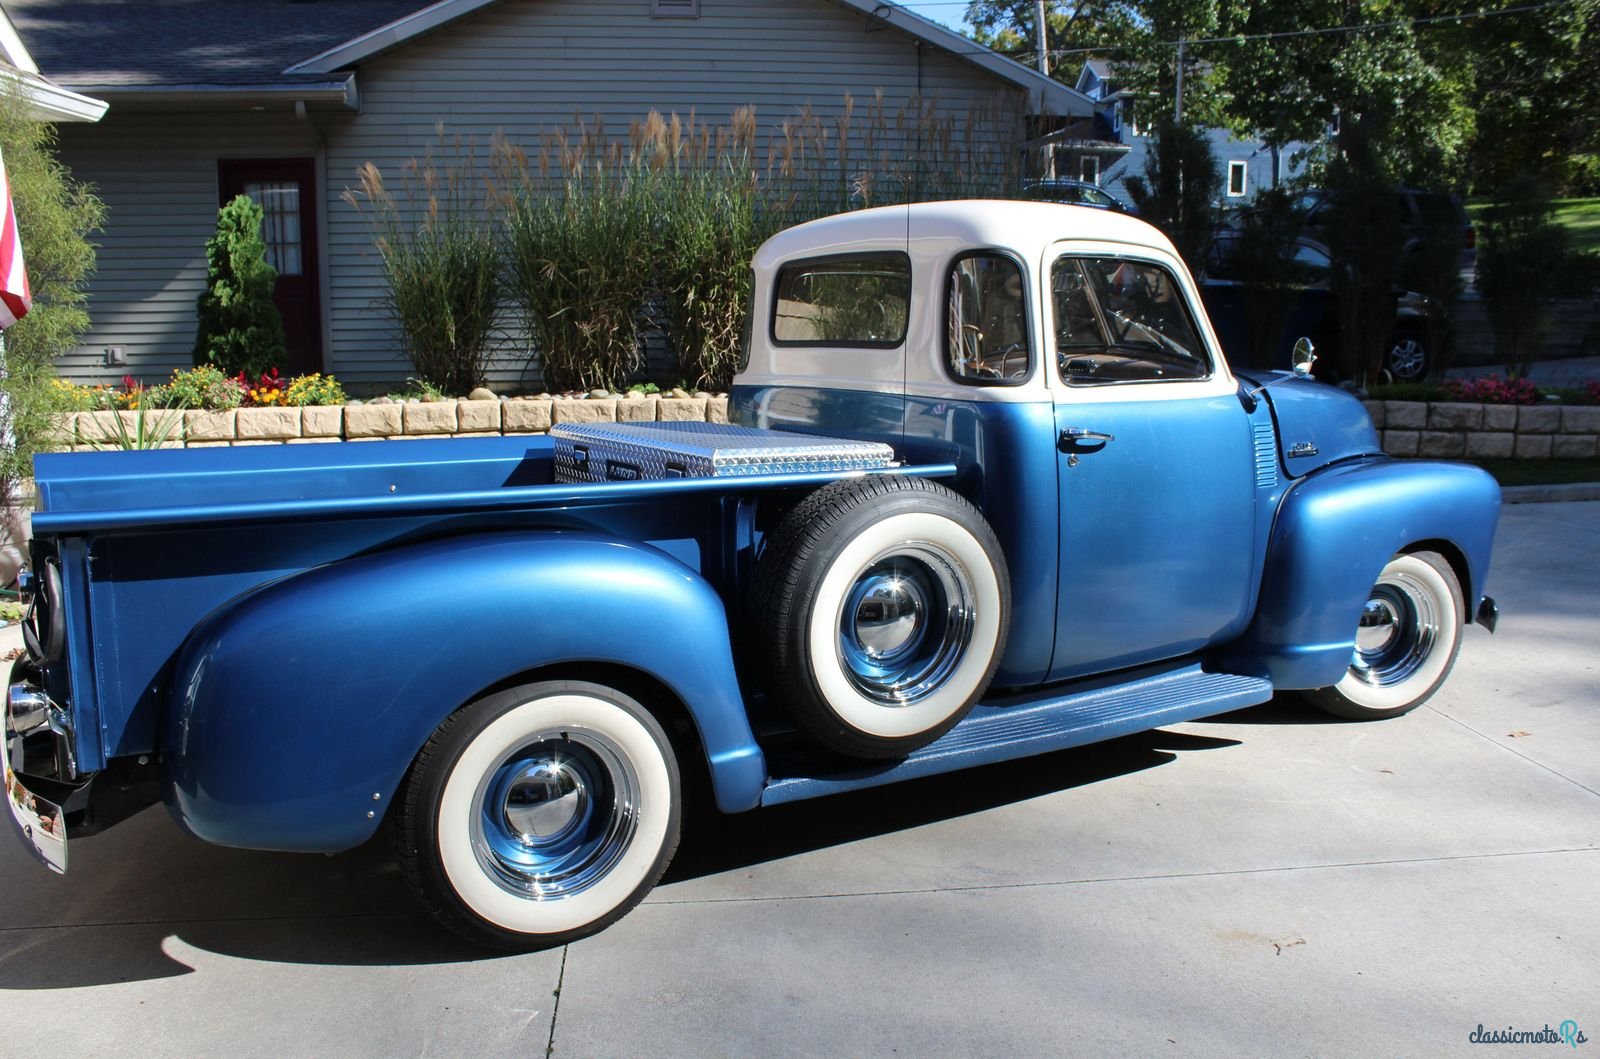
[1513,750]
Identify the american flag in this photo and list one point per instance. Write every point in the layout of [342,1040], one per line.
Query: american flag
[15,298]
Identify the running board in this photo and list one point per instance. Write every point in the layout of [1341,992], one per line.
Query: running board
[1022,726]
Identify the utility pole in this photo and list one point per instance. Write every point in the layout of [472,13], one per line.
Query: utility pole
[1177,103]
[1040,47]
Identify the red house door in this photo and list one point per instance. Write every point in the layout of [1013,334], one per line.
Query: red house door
[285,189]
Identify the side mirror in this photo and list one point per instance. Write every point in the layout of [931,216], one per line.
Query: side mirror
[1305,355]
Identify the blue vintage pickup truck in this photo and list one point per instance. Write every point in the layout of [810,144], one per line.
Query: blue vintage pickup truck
[990,491]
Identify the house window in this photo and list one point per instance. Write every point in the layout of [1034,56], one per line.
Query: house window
[986,320]
[280,223]
[1089,169]
[1237,179]
[1116,118]
[675,8]
[860,300]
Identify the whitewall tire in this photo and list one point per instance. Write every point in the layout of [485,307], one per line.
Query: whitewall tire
[884,602]
[1406,644]
[540,814]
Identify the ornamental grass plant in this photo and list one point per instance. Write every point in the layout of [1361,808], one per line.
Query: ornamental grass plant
[579,261]
[437,241]
[605,240]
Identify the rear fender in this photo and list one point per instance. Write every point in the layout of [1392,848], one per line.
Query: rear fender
[1335,531]
[297,709]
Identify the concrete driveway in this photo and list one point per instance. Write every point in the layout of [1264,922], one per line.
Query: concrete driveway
[1269,883]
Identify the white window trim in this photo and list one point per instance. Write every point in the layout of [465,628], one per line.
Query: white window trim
[1243,169]
[1085,163]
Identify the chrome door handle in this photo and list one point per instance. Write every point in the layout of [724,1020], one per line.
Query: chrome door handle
[1073,436]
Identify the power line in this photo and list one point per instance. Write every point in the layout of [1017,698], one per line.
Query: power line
[1242,38]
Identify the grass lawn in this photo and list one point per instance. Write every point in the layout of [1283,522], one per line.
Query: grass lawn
[1580,217]
[1541,472]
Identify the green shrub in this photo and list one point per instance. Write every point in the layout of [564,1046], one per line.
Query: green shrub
[441,259]
[1525,262]
[204,387]
[55,216]
[240,328]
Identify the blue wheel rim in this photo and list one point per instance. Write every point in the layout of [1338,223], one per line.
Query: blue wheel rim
[906,624]
[555,814]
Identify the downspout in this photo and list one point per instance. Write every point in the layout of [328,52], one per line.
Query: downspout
[319,173]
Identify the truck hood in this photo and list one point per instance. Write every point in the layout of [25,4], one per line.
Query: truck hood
[1317,424]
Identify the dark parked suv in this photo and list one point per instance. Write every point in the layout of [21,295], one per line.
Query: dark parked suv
[1313,313]
[1424,215]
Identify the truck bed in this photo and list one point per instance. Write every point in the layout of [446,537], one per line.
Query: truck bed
[149,543]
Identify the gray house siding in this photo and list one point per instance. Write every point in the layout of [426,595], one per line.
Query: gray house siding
[521,68]
[524,68]
[158,178]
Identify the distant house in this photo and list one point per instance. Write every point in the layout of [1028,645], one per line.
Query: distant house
[286,99]
[1109,146]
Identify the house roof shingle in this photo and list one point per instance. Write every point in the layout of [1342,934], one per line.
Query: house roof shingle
[112,46]
[101,44]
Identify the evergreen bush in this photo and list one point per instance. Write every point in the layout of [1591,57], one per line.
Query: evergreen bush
[240,329]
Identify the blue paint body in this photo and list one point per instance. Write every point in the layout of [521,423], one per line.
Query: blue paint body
[292,708]
[1335,531]
[286,627]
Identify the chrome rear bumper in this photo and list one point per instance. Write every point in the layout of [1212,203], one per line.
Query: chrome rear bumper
[41,821]
[38,737]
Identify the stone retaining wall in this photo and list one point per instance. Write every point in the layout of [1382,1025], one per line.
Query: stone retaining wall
[1486,431]
[1407,428]
[380,422]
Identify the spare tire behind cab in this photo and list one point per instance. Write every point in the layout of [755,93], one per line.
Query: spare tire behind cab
[880,607]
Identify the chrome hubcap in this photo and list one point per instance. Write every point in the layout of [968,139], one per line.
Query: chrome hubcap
[555,814]
[1399,625]
[906,623]
[545,800]
[889,615]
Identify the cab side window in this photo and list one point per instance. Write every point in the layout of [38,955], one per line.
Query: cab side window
[986,321]
[1120,320]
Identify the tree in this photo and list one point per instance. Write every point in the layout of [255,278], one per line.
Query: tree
[1363,69]
[55,217]
[1525,262]
[240,328]
[1179,185]
[1535,94]
[1138,36]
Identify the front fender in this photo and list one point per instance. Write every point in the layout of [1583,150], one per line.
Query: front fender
[297,709]
[1334,532]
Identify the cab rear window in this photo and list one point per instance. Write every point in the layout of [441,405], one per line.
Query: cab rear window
[857,301]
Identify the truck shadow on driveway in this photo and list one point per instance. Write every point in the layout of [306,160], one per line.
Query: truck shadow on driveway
[146,902]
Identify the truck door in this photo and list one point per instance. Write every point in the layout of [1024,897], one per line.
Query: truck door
[1154,466]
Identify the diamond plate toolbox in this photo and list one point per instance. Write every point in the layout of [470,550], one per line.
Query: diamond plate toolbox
[627,452]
